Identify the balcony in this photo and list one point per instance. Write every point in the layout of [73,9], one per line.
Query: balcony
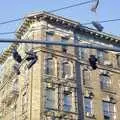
[10,95]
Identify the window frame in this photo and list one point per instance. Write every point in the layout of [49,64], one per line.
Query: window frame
[50,98]
[67,105]
[105,81]
[90,105]
[111,112]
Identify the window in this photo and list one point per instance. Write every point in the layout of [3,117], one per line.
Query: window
[49,37]
[105,81]
[50,98]
[108,110]
[24,102]
[67,101]
[118,60]
[101,55]
[49,66]
[81,53]
[88,105]
[66,69]
[86,76]
[64,48]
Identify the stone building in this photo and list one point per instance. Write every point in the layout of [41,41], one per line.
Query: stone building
[47,91]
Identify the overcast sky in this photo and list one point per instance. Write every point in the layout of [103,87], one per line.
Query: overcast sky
[12,9]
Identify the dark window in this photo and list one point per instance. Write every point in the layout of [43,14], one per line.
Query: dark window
[88,105]
[118,60]
[108,110]
[101,56]
[49,37]
[24,102]
[49,66]
[50,98]
[66,69]
[64,48]
[86,76]
[105,81]
[67,101]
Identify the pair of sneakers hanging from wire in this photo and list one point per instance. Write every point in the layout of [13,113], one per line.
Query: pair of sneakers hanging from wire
[96,23]
[31,57]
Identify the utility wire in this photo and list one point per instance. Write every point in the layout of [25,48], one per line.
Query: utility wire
[74,5]
[55,10]
[104,21]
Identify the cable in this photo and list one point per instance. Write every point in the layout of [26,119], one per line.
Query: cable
[104,21]
[74,5]
[88,23]
[6,33]
[55,10]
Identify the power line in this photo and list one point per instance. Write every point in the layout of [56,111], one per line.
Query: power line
[55,10]
[104,21]
[10,32]
[74,5]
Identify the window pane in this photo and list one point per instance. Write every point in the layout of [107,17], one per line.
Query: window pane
[108,110]
[88,105]
[86,77]
[100,56]
[81,53]
[50,98]
[66,69]
[105,81]
[118,60]
[64,48]
[67,102]
[49,66]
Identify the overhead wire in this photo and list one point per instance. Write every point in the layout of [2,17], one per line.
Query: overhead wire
[55,10]
[51,11]
[103,21]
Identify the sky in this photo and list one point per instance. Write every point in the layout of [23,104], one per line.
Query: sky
[13,9]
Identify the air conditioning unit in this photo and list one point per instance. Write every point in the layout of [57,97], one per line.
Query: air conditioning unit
[108,63]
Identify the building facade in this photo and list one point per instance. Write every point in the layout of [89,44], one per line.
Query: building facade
[47,91]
